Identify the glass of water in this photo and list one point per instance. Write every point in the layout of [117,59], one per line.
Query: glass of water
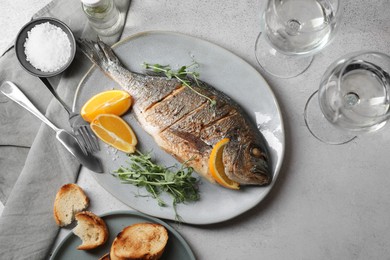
[353,97]
[293,30]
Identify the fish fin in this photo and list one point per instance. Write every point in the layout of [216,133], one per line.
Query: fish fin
[98,52]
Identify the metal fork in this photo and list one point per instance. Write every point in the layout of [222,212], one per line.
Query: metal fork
[81,128]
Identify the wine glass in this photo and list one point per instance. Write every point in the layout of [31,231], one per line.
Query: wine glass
[353,98]
[293,30]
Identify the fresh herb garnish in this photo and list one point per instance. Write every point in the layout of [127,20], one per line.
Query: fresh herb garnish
[142,172]
[181,74]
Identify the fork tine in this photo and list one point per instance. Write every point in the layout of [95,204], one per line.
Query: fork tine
[81,142]
[88,143]
[92,138]
[82,128]
[95,141]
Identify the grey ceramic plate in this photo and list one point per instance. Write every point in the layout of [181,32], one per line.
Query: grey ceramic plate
[223,70]
[21,39]
[176,249]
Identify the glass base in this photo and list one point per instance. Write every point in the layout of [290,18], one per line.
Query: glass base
[320,127]
[279,64]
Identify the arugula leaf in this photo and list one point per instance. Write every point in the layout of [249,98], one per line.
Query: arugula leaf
[156,179]
[181,75]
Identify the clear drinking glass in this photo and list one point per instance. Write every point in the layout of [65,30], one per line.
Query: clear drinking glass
[293,30]
[353,97]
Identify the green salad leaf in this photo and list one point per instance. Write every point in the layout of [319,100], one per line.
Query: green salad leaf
[181,74]
[179,183]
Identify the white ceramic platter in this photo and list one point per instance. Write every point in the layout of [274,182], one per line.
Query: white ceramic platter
[226,72]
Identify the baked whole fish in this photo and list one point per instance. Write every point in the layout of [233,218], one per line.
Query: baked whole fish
[184,124]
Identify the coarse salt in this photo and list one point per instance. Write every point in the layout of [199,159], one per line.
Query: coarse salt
[47,47]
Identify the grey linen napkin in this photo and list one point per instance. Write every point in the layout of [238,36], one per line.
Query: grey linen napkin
[30,178]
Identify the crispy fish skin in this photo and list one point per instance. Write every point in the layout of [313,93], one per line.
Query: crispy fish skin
[185,125]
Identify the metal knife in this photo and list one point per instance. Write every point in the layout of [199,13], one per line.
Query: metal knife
[68,140]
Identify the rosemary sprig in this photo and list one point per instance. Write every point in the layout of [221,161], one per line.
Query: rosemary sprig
[182,75]
[142,172]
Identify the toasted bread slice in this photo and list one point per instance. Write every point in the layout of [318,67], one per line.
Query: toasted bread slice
[141,241]
[69,200]
[91,229]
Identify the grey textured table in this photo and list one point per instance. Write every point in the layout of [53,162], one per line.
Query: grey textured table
[330,202]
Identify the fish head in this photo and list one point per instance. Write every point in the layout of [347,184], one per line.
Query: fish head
[246,161]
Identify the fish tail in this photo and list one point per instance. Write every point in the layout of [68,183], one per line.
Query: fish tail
[98,52]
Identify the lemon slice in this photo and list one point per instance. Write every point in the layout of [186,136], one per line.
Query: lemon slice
[115,102]
[114,131]
[217,168]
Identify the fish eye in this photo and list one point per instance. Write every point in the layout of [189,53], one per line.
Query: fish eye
[256,152]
